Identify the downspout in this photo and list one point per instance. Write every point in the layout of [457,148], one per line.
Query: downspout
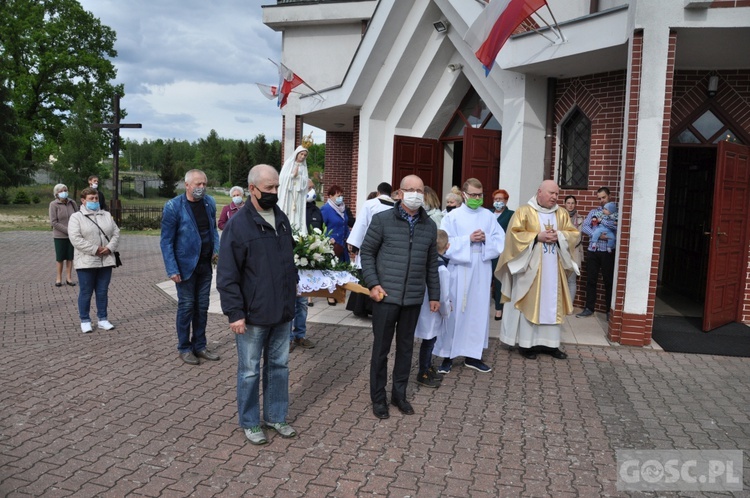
[549,132]
[594,7]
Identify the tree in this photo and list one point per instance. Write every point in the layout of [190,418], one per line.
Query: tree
[212,158]
[169,176]
[81,148]
[10,171]
[241,165]
[53,52]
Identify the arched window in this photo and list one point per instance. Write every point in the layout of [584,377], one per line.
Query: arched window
[575,147]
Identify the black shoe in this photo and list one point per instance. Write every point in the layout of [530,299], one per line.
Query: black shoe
[310,304]
[380,410]
[527,353]
[434,375]
[425,380]
[58,284]
[586,312]
[556,353]
[189,358]
[403,406]
[208,355]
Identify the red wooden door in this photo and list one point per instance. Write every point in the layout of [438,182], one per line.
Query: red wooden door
[727,255]
[481,159]
[418,156]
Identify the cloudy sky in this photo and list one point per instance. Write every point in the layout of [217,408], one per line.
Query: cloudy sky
[190,66]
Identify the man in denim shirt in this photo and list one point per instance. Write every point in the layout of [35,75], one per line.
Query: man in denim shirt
[189,244]
[598,259]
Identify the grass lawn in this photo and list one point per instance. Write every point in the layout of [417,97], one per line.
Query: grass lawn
[36,216]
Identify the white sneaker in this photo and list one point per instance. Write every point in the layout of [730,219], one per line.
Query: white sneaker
[104,325]
[86,327]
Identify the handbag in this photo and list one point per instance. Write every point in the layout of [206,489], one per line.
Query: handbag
[118,261]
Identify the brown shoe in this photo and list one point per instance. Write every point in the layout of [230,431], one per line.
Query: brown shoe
[304,343]
[189,358]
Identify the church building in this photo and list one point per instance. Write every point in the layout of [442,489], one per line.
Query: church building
[649,98]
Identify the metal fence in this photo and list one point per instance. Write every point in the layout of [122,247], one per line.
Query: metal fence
[141,217]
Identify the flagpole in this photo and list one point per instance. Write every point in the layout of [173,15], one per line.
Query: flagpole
[536,30]
[557,25]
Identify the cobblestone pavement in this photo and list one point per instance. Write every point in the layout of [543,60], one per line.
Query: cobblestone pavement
[116,413]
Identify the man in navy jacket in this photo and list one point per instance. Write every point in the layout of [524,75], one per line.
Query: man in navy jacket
[189,243]
[257,282]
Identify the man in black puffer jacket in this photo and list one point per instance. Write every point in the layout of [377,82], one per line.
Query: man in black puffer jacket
[399,257]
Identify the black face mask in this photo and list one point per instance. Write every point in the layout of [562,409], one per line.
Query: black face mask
[449,208]
[267,200]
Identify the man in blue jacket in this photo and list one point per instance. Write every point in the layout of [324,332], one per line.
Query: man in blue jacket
[189,243]
[257,282]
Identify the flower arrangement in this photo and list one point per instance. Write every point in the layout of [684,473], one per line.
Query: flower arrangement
[314,251]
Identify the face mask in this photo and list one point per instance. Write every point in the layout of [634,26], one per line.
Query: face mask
[448,209]
[339,200]
[267,200]
[412,200]
[92,206]
[237,199]
[499,205]
[198,193]
[94,185]
[311,196]
[62,195]
[474,203]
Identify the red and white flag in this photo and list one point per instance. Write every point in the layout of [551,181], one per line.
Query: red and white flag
[493,27]
[287,81]
[268,91]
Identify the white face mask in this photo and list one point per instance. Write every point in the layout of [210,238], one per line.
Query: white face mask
[94,185]
[413,200]
[311,196]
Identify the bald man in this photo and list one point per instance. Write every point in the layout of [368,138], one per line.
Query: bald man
[533,270]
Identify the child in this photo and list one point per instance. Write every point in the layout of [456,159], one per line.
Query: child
[609,212]
[430,325]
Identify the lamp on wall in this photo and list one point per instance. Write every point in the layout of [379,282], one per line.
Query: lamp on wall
[441,26]
[713,86]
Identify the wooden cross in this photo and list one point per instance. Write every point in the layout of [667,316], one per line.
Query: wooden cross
[115,208]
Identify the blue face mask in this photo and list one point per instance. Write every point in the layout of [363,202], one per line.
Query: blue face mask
[339,200]
[92,206]
[237,199]
[499,205]
[62,195]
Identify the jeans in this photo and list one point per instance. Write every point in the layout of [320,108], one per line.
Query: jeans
[599,261]
[192,308]
[425,354]
[90,281]
[273,344]
[389,320]
[300,319]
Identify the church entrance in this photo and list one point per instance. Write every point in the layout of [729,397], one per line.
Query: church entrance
[705,235]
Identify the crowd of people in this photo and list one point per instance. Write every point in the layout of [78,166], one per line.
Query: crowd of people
[429,272]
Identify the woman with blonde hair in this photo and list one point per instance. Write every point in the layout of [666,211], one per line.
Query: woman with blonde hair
[431,204]
[453,199]
[60,211]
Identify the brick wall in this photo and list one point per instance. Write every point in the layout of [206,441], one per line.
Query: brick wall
[339,169]
[601,97]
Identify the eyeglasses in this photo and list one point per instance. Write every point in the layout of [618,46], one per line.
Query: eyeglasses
[412,190]
[474,196]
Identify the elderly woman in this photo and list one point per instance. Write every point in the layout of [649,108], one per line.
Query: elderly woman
[577,220]
[60,211]
[293,189]
[237,195]
[336,220]
[95,237]
[453,199]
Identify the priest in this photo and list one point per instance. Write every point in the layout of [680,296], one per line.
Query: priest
[533,270]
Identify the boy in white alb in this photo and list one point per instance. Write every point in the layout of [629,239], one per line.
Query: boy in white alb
[432,325]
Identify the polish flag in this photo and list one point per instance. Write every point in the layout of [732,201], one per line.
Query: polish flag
[287,81]
[494,26]
[268,91]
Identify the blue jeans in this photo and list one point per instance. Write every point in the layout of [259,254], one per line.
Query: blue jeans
[300,319]
[90,281]
[193,296]
[272,343]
